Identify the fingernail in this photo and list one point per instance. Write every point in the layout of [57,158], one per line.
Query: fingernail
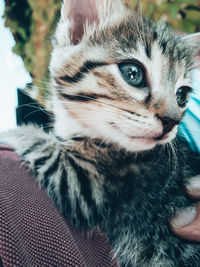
[193,185]
[184,217]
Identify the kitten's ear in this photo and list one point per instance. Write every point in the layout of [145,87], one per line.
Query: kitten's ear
[81,15]
[194,41]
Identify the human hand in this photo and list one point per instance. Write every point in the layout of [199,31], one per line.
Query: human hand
[186,223]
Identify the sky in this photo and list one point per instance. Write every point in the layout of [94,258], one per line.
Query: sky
[12,76]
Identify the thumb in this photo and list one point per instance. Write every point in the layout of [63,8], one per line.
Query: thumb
[186,223]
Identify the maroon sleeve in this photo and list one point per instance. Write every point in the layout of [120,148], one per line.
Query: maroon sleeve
[33,233]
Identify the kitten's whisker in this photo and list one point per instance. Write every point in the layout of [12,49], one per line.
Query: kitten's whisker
[42,81]
[142,22]
[47,126]
[179,149]
[137,28]
[170,159]
[98,108]
[31,105]
[38,110]
[174,155]
[35,106]
[107,112]
[99,101]
[100,144]
[155,159]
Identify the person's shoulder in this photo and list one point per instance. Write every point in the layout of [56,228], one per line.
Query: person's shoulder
[26,138]
[7,154]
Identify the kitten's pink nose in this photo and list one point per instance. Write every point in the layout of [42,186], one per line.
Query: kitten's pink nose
[169,114]
[168,124]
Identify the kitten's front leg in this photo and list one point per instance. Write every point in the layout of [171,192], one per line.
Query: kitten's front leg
[186,224]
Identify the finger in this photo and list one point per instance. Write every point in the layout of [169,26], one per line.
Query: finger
[193,187]
[186,223]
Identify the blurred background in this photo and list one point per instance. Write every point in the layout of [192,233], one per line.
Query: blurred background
[26,27]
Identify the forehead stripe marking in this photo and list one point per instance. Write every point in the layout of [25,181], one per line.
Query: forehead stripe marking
[87,66]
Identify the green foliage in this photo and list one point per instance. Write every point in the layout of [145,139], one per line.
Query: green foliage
[32,23]
[183,15]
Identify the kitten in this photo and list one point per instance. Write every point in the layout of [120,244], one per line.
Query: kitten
[120,86]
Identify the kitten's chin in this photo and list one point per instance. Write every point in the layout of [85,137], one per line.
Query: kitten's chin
[144,144]
[138,144]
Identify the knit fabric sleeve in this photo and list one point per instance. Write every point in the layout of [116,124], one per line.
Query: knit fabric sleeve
[32,231]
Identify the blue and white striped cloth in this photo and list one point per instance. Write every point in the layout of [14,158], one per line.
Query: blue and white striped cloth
[190,125]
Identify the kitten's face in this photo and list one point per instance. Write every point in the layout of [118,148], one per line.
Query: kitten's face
[125,82]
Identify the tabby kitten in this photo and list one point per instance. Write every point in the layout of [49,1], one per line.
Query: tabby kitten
[120,85]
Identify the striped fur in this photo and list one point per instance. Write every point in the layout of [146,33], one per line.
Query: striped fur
[69,178]
[129,196]
[90,165]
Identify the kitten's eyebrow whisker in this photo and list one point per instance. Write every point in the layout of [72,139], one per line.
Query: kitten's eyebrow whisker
[142,22]
[137,28]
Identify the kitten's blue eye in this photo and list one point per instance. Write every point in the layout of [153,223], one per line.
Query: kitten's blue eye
[132,74]
[181,95]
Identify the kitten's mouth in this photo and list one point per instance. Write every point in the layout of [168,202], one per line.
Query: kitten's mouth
[145,140]
[156,138]
[161,137]
[150,140]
